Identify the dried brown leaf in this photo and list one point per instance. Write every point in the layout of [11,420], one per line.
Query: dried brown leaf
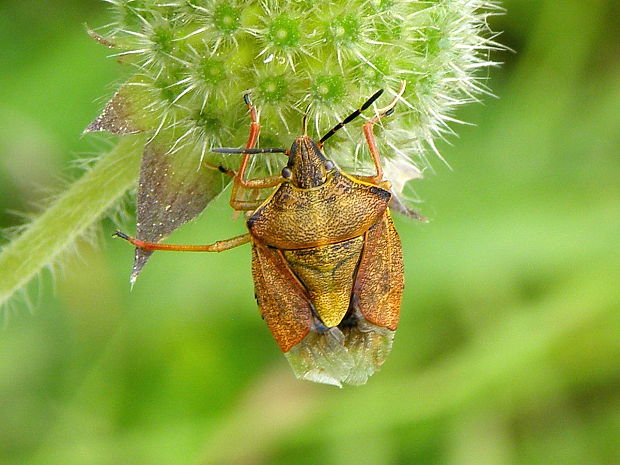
[174,188]
[124,113]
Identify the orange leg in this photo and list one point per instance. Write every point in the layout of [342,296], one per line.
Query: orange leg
[370,137]
[238,180]
[259,183]
[250,144]
[218,246]
[247,204]
[238,177]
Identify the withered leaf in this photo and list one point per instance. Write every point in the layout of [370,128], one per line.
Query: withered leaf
[397,205]
[100,39]
[174,188]
[124,113]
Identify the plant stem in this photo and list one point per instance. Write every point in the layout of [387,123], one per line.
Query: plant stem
[69,216]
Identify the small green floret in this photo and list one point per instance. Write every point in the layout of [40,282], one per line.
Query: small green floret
[208,121]
[374,76]
[226,18]
[328,89]
[213,71]
[345,29]
[273,90]
[284,32]
[167,92]
[162,39]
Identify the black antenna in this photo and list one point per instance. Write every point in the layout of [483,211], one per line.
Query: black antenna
[250,151]
[352,116]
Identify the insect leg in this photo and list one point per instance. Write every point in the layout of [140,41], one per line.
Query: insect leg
[370,137]
[246,205]
[250,144]
[252,203]
[220,168]
[258,183]
[238,177]
[218,246]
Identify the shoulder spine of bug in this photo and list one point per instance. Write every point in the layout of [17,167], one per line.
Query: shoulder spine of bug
[326,258]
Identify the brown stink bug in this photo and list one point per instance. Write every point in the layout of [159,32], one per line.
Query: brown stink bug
[326,258]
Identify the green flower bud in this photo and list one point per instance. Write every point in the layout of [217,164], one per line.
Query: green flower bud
[226,18]
[195,59]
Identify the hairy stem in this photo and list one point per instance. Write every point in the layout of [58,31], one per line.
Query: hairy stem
[70,215]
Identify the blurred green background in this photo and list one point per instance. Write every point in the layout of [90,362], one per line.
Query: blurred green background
[509,345]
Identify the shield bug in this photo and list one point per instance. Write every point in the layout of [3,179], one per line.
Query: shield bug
[326,258]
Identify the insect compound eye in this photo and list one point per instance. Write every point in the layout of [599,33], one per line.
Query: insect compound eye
[287,173]
[329,165]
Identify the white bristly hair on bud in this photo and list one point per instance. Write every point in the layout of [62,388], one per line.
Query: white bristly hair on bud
[199,57]
[194,60]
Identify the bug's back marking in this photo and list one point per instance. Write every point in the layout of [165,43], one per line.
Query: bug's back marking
[328,272]
[338,210]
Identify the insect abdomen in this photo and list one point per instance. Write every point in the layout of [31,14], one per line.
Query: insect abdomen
[328,273]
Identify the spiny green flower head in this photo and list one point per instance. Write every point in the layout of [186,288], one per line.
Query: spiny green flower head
[194,60]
